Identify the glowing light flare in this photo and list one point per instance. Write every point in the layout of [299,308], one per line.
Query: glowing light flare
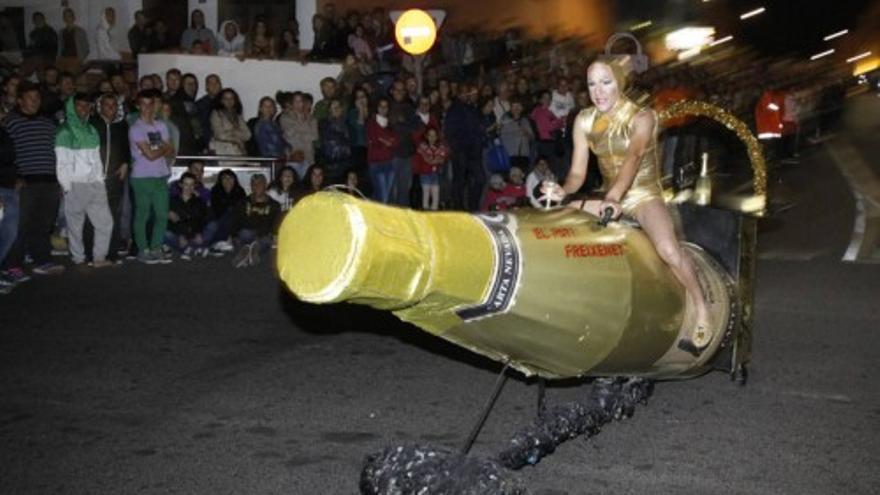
[866,65]
[722,40]
[688,38]
[822,54]
[836,35]
[773,106]
[753,13]
[641,25]
[858,57]
[686,54]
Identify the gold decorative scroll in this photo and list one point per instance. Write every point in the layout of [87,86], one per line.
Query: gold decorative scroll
[728,120]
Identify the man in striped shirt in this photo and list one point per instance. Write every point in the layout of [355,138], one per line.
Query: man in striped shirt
[33,136]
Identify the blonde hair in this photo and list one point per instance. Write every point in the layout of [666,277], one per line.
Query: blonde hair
[619,66]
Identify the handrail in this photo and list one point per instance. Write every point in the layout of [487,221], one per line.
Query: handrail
[228,158]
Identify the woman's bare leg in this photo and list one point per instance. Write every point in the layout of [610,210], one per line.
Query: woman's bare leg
[435,196]
[656,222]
[426,197]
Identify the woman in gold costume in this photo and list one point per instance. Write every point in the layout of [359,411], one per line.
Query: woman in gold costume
[624,138]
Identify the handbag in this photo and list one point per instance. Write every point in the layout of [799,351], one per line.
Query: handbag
[497,159]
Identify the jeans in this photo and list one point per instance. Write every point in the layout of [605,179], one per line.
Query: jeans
[218,229]
[172,240]
[9,223]
[247,236]
[382,177]
[402,180]
[468,177]
[38,210]
[150,194]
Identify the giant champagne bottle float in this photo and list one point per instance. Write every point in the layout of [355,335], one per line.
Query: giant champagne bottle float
[553,293]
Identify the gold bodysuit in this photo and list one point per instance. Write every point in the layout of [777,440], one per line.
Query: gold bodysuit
[608,136]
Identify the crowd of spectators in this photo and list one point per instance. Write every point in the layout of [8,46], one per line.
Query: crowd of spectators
[89,159]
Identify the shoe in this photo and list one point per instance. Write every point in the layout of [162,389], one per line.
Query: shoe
[146,257]
[215,253]
[243,257]
[255,254]
[102,264]
[48,269]
[691,346]
[187,254]
[6,286]
[224,246]
[16,275]
[202,252]
[163,257]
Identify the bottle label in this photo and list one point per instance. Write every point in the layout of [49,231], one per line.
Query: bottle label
[508,265]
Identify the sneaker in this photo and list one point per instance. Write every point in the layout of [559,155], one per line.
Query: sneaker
[6,286]
[146,257]
[215,253]
[224,246]
[16,275]
[102,264]
[201,252]
[187,254]
[243,257]
[163,257]
[48,269]
[255,254]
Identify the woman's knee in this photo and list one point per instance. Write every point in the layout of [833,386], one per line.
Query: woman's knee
[670,253]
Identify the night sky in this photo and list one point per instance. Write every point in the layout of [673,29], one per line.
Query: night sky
[787,27]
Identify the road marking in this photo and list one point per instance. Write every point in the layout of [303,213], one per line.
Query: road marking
[866,190]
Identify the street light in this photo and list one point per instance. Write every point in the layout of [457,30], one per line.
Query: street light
[722,40]
[836,35]
[753,13]
[858,57]
[823,54]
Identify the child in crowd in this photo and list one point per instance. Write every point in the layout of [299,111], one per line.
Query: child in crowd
[430,157]
[187,218]
[226,195]
[253,224]
[540,174]
[283,189]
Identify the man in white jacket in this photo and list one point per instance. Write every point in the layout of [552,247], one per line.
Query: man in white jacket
[105,44]
[81,175]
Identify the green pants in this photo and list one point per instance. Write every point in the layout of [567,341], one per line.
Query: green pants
[150,194]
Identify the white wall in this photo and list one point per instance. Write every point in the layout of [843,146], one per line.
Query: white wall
[251,79]
[210,9]
[88,13]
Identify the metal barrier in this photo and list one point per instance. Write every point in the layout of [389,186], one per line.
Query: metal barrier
[244,166]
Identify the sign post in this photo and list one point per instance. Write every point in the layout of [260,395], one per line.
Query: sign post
[416,31]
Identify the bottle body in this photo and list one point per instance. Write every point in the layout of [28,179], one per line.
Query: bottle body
[552,293]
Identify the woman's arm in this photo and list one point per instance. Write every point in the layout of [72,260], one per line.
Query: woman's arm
[642,134]
[579,160]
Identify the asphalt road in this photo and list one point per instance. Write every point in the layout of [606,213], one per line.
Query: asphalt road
[195,378]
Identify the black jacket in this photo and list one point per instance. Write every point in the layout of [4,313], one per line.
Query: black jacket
[114,144]
[223,202]
[193,216]
[7,160]
[261,217]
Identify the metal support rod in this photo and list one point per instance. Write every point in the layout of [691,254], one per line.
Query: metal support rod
[542,392]
[490,403]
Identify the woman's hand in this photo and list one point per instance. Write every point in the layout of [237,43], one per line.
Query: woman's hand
[616,209]
[551,191]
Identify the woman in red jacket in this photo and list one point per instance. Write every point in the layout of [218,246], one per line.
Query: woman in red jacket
[380,150]
[431,155]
